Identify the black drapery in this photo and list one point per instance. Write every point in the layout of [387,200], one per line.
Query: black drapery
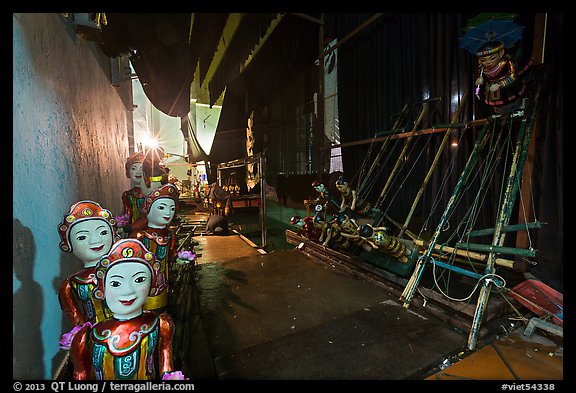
[406,58]
[277,87]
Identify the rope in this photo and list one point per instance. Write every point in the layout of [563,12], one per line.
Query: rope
[493,275]
[409,172]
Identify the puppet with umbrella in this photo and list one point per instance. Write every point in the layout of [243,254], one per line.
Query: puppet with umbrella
[488,36]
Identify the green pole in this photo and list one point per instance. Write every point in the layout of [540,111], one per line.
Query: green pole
[508,228]
[512,186]
[408,292]
[496,249]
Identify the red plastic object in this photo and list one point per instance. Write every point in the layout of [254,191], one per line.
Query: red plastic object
[538,293]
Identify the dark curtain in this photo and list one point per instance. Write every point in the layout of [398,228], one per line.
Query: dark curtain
[407,58]
[547,180]
[278,87]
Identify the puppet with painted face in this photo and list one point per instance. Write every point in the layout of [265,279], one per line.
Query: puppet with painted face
[133,199]
[345,227]
[134,344]
[88,231]
[325,197]
[349,198]
[503,89]
[160,208]
[307,228]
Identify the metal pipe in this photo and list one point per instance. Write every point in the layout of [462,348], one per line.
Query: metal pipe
[261,169]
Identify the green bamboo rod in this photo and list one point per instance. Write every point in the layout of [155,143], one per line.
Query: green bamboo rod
[432,166]
[508,228]
[497,249]
[410,287]
[512,186]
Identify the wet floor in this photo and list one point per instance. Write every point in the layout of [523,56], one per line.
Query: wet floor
[284,315]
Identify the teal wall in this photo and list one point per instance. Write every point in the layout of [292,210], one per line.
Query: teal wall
[69,144]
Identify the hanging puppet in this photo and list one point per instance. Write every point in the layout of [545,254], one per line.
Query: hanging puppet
[133,199]
[311,227]
[349,198]
[325,197]
[160,208]
[252,178]
[499,81]
[134,344]
[88,231]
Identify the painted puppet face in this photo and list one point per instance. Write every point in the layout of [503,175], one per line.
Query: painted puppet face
[161,212]
[320,188]
[491,60]
[91,239]
[299,223]
[127,286]
[342,187]
[136,173]
[380,238]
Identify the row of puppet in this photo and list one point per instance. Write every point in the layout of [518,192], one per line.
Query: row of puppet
[117,302]
[341,231]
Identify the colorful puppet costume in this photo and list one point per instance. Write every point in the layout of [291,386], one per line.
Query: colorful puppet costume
[162,243]
[135,348]
[75,293]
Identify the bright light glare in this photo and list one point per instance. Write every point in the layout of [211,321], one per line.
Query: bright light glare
[150,142]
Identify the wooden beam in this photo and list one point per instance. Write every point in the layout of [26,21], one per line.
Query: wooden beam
[412,133]
[310,18]
[357,30]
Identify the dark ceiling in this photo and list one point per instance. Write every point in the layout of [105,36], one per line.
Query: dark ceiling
[174,53]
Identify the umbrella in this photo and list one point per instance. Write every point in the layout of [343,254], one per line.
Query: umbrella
[505,31]
[482,18]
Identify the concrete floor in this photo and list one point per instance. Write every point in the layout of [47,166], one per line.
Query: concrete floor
[285,315]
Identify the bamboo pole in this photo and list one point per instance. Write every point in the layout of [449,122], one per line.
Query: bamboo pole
[508,228]
[512,185]
[402,154]
[383,148]
[447,257]
[465,253]
[433,166]
[424,131]
[411,234]
[497,249]
[408,292]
